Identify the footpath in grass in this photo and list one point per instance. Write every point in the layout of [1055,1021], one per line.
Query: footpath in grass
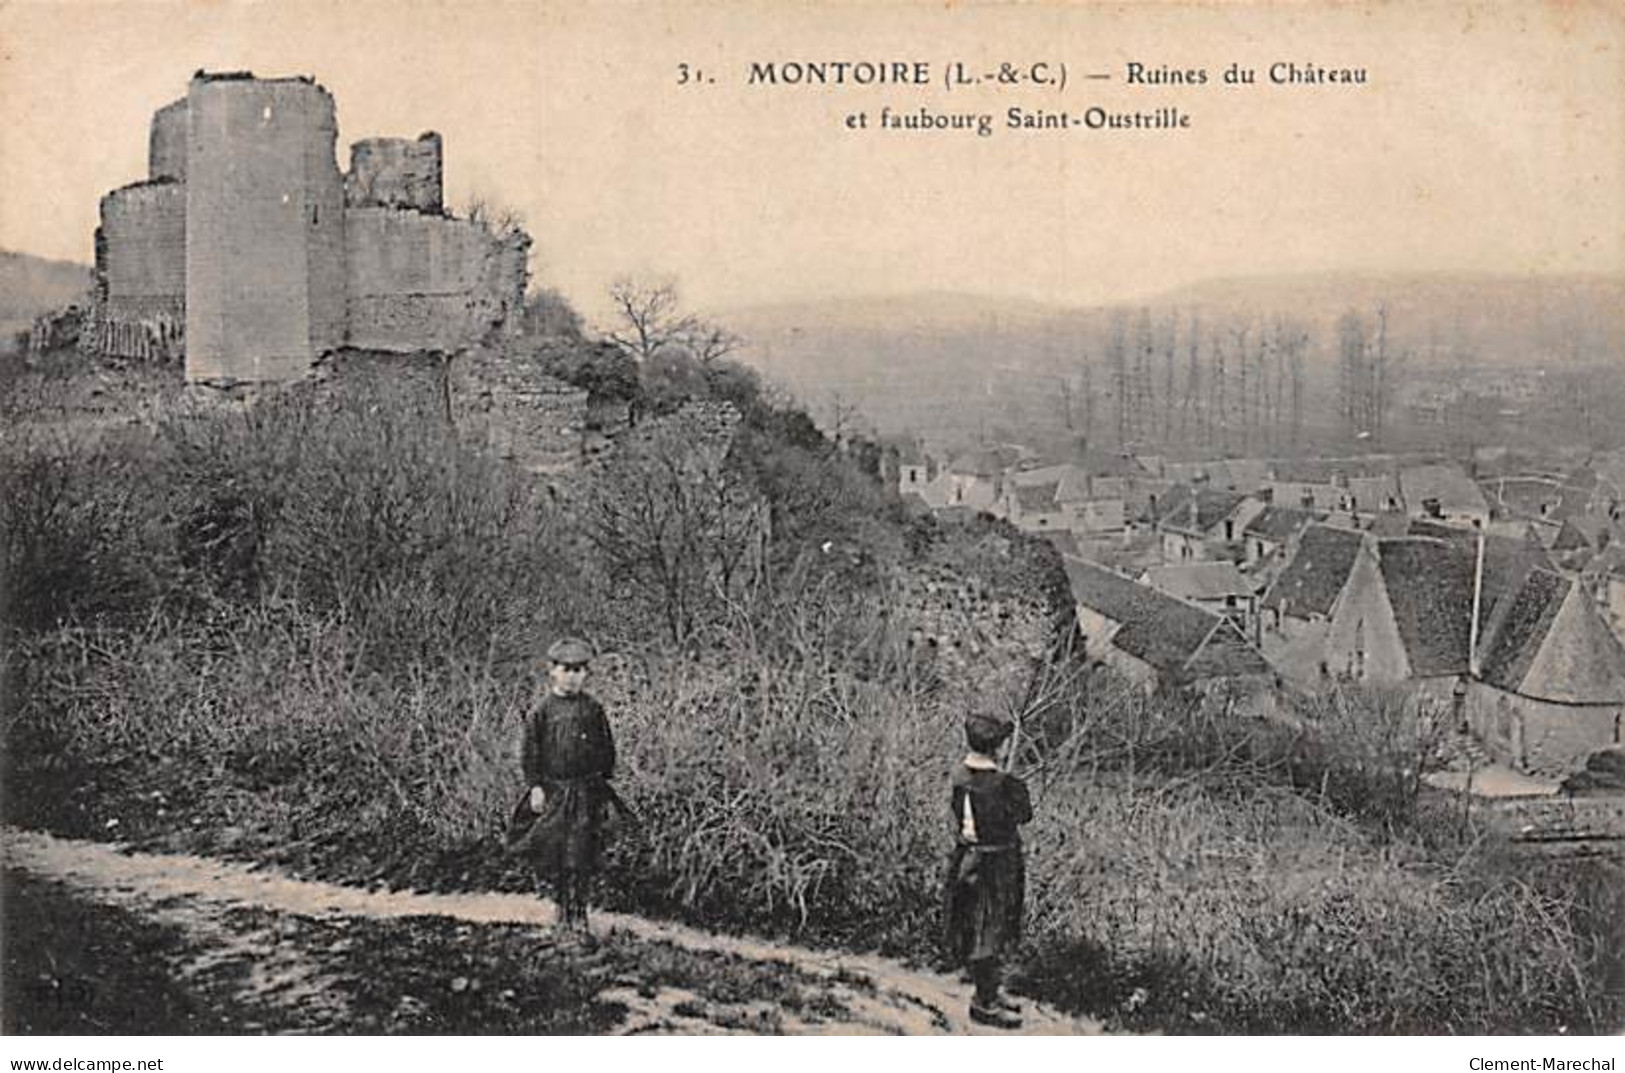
[116,942]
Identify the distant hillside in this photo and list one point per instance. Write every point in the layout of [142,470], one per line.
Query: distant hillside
[950,366]
[1498,320]
[30,286]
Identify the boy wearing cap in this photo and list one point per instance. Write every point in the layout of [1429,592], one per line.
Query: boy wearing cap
[986,881]
[568,754]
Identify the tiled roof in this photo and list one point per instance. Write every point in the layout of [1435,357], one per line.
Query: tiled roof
[1570,538]
[1098,463]
[1430,587]
[989,461]
[1525,495]
[1280,524]
[1313,579]
[1156,628]
[1212,507]
[1239,474]
[1226,654]
[1449,485]
[1332,470]
[1200,581]
[1119,598]
[1037,498]
[1372,493]
[1519,626]
[1048,473]
[1075,486]
[1175,502]
[1391,524]
[1506,558]
[1309,470]
[1536,648]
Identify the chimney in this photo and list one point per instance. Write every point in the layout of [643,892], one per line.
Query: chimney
[1478,595]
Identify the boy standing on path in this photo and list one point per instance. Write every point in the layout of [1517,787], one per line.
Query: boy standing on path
[568,755]
[986,873]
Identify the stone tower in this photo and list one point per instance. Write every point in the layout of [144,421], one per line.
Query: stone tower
[265,252]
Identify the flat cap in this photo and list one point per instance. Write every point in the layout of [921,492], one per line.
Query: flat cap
[569,650]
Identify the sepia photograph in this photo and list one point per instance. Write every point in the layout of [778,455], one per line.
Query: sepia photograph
[880,518]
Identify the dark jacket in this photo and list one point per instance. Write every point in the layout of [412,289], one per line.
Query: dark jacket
[566,738]
[999,804]
[568,751]
[986,881]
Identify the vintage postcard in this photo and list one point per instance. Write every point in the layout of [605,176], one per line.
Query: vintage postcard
[869,518]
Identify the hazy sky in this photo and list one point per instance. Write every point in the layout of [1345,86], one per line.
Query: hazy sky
[1488,138]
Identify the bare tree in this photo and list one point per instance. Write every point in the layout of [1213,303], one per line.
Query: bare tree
[1353,374]
[843,418]
[1117,360]
[1169,343]
[649,317]
[499,220]
[1239,333]
[1190,411]
[676,524]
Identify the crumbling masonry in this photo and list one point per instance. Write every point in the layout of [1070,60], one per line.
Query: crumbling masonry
[248,252]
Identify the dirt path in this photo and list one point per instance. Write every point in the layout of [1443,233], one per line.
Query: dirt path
[200,896]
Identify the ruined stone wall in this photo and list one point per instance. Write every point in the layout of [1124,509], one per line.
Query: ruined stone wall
[417,381]
[143,260]
[166,142]
[140,308]
[265,224]
[428,282]
[500,400]
[395,173]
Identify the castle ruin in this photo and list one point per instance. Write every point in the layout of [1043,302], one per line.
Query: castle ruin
[247,251]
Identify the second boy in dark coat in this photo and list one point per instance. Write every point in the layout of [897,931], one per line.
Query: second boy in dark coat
[986,881]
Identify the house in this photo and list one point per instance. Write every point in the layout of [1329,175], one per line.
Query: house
[1244,475]
[1297,609]
[1199,523]
[1102,490]
[1408,611]
[1308,496]
[1033,506]
[1548,689]
[1374,494]
[1218,587]
[1604,578]
[1273,531]
[1533,497]
[1309,484]
[913,468]
[1405,616]
[1443,491]
[1485,626]
[1155,639]
[972,481]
